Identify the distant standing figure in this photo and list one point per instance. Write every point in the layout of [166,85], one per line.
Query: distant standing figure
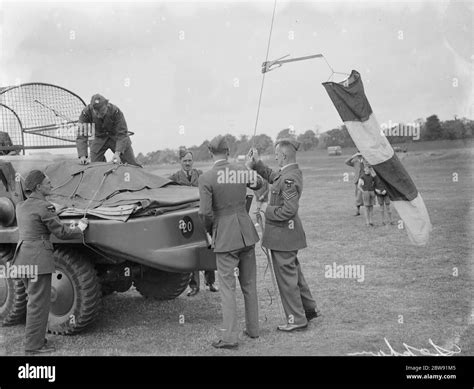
[367,185]
[383,199]
[189,176]
[111,132]
[356,161]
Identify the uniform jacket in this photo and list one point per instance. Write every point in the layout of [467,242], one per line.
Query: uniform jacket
[283,228]
[222,209]
[111,126]
[37,220]
[180,177]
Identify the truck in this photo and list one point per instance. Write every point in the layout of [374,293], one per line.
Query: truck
[334,150]
[152,247]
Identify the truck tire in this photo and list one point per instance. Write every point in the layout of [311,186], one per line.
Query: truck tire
[12,301]
[12,294]
[75,293]
[161,285]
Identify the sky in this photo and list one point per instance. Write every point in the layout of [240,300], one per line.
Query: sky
[183,72]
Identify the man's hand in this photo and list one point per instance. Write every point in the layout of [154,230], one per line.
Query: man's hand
[116,158]
[83,160]
[252,158]
[83,224]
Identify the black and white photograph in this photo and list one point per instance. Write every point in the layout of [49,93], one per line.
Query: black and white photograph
[227,178]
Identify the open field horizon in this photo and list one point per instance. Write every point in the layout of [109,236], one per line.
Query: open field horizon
[417,296]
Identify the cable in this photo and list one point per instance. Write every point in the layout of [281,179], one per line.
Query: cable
[263,77]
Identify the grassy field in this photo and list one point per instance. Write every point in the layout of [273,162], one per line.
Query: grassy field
[409,295]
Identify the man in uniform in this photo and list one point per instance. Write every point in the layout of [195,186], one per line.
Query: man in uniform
[111,132]
[356,162]
[284,234]
[189,176]
[37,220]
[6,143]
[222,209]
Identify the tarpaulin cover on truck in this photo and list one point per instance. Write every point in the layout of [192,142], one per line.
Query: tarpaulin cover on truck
[112,191]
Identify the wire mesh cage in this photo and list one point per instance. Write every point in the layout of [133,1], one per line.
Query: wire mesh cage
[38,116]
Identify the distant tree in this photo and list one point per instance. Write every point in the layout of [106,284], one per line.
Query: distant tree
[168,156]
[141,159]
[201,153]
[242,146]
[285,133]
[468,128]
[433,129]
[336,137]
[323,140]
[453,129]
[151,158]
[232,142]
[263,143]
[308,140]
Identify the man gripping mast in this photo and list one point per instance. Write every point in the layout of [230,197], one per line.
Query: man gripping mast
[284,234]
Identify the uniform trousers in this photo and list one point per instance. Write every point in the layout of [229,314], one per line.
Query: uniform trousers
[195,281]
[239,264]
[37,310]
[127,156]
[294,291]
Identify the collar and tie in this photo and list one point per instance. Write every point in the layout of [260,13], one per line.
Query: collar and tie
[188,174]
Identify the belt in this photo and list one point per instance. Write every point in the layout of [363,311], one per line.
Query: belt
[34,238]
[230,211]
[277,222]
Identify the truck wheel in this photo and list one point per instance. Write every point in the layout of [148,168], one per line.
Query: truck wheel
[12,294]
[12,301]
[161,285]
[75,293]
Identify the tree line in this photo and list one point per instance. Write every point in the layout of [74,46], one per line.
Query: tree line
[430,129]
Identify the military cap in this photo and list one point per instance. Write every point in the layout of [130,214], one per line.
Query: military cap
[183,151]
[218,144]
[288,140]
[98,101]
[34,178]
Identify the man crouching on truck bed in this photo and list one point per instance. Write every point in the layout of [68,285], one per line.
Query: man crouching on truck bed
[223,210]
[110,132]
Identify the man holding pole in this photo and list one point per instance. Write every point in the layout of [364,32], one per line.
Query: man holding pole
[284,234]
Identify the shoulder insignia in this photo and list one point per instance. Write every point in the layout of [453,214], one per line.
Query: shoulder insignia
[288,195]
[289,182]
